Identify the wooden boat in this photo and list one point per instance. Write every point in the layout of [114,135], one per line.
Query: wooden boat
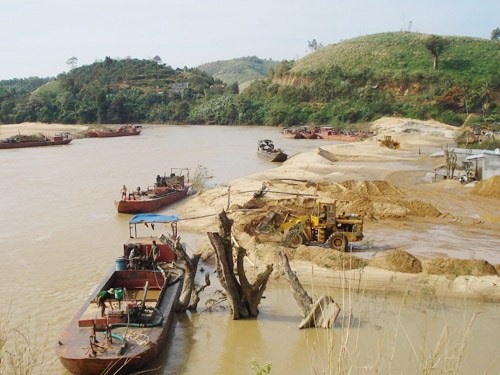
[120,132]
[327,155]
[130,335]
[166,190]
[332,134]
[293,133]
[91,134]
[267,151]
[302,132]
[21,141]
[311,132]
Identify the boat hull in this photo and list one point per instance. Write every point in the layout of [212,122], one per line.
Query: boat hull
[340,137]
[74,349]
[275,157]
[33,144]
[102,134]
[149,203]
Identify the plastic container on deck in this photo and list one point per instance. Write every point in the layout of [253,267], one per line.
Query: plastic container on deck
[121,264]
[118,294]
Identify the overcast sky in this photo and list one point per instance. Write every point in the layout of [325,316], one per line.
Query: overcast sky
[37,37]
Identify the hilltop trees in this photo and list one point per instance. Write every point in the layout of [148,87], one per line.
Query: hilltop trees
[436,45]
[314,45]
[72,62]
[495,34]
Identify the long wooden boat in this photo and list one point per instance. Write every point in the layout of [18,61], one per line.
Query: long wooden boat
[332,134]
[130,335]
[302,132]
[166,190]
[267,151]
[293,133]
[120,132]
[26,141]
[327,155]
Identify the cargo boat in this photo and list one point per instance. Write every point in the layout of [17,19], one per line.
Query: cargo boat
[144,290]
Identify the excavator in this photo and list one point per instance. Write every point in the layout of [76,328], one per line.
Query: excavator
[322,226]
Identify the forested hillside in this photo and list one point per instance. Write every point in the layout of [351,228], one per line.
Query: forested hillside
[409,74]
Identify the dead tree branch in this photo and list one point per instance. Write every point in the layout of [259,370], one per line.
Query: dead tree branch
[242,295]
[321,312]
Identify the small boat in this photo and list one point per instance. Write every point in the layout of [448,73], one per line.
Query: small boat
[333,134]
[20,141]
[166,190]
[293,133]
[302,132]
[327,155]
[143,295]
[91,134]
[267,151]
[120,132]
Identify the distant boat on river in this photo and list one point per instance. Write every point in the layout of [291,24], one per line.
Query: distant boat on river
[122,131]
[267,151]
[21,141]
[166,190]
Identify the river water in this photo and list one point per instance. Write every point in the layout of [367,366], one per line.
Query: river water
[60,234]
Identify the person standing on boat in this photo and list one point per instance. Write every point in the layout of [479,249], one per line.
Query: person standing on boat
[134,258]
[124,193]
[155,252]
[102,297]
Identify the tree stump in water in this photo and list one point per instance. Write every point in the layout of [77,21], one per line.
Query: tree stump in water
[243,297]
[322,312]
[189,296]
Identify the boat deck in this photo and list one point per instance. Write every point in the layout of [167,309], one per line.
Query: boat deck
[92,315]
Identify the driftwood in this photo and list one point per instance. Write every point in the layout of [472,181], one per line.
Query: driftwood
[321,312]
[189,297]
[243,297]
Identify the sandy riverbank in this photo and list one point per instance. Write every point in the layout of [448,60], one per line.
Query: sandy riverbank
[404,210]
[28,128]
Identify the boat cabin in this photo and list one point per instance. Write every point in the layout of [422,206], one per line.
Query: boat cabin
[142,238]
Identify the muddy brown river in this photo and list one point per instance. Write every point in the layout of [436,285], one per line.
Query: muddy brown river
[60,234]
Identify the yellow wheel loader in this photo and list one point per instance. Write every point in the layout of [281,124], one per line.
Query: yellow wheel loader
[322,226]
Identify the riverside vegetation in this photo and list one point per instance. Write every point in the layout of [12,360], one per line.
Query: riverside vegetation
[353,81]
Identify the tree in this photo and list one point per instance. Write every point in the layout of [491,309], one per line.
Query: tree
[157,59]
[72,62]
[242,295]
[495,34]
[436,45]
[316,312]
[313,45]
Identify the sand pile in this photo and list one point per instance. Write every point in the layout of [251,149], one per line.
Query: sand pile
[399,261]
[403,127]
[371,199]
[326,257]
[488,188]
[459,267]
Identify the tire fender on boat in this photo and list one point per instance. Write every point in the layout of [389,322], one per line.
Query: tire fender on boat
[177,187]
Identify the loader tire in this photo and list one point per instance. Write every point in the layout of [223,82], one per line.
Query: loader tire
[338,241]
[294,239]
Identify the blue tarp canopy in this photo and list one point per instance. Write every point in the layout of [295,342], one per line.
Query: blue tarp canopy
[153,218]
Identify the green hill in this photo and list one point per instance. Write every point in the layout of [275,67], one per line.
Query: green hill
[464,61]
[239,70]
[363,78]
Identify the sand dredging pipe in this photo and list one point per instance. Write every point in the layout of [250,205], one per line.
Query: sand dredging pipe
[140,325]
